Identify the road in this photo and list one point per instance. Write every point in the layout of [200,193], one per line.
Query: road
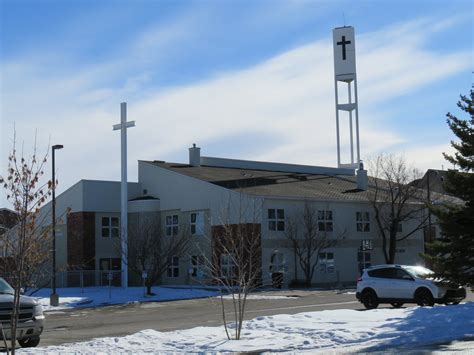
[85,324]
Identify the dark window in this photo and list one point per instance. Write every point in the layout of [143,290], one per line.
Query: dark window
[172,225]
[382,273]
[325,221]
[276,219]
[110,227]
[197,265]
[402,274]
[363,221]
[173,266]
[271,214]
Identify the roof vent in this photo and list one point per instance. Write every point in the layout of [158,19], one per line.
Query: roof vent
[362,179]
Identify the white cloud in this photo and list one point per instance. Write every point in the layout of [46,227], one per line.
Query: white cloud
[289,97]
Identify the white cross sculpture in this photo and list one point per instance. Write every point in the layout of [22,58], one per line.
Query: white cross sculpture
[122,126]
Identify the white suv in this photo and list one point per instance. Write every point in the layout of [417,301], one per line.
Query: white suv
[399,284]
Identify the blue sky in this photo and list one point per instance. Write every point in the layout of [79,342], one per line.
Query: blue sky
[242,79]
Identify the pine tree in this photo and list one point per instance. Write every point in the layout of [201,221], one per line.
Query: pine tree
[452,256]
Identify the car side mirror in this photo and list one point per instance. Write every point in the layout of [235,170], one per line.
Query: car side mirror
[407,277]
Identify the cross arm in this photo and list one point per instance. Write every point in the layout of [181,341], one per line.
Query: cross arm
[118,126]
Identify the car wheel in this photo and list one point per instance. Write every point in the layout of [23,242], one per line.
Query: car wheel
[423,297]
[30,342]
[369,299]
[396,304]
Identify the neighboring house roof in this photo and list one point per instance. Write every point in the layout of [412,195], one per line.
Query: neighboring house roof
[436,179]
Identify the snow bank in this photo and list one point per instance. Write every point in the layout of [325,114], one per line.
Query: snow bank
[100,296]
[337,330]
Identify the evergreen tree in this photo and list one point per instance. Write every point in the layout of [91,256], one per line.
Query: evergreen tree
[452,256]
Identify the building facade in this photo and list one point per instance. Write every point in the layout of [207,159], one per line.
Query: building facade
[203,195]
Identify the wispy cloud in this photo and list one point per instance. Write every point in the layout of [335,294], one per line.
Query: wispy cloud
[288,100]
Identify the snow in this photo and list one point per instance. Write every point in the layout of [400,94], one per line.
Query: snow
[310,332]
[101,296]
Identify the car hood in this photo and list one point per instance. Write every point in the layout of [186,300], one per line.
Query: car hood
[7,301]
[440,283]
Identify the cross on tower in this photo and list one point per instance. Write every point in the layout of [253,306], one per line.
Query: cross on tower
[122,126]
[343,43]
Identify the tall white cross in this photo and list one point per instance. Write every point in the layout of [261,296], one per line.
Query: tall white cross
[122,126]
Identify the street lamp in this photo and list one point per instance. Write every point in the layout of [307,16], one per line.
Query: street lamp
[54,298]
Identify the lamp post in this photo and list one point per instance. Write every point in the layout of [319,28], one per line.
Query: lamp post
[54,298]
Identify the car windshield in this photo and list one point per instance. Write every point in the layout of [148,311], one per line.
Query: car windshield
[419,271]
[5,287]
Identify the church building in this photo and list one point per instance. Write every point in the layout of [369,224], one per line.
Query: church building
[194,198]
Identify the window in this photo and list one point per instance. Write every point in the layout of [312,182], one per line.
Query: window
[197,223]
[197,265]
[366,244]
[110,264]
[277,262]
[363,221]
[326,263]
[363,254]
[364,260]
[110,227]
[173,266]
[401,275]
[276,219]
[227,266]
[381,273]
[325,221]
[172,225]
[399,228]
[390,273]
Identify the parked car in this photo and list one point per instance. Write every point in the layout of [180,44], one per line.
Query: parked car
[399,284]
[30,321]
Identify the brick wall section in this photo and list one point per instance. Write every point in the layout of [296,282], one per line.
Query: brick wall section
[247,233]
[81,240]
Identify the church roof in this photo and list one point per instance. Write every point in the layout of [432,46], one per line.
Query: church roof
[274,183]
[282,184]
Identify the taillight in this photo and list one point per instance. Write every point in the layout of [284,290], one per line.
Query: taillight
[359,279]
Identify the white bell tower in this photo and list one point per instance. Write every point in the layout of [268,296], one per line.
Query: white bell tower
[345,74]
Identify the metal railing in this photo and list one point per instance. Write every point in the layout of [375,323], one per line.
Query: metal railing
[88,278]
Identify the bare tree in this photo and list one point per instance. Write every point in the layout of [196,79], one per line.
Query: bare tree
[25,247]
[236,259]
[399,206]
[150,250]
[308,238]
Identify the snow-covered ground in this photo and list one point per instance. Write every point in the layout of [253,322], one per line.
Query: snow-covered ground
[101,296]
[326,331]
